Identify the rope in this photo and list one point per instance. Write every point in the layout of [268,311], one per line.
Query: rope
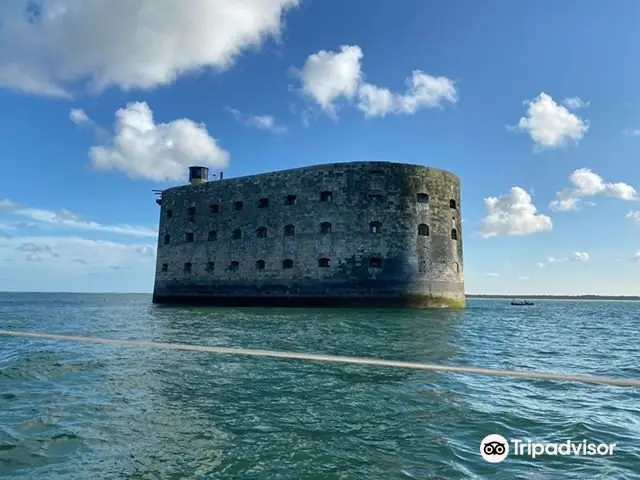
[620,382]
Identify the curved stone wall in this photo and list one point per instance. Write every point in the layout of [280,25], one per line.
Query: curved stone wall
[362,233]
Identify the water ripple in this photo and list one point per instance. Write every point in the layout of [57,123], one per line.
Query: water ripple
[71,410]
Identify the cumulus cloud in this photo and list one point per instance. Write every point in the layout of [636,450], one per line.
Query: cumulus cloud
[550,125]
[588,184]
[423,91]
[328,77]
[575,103]
[261,122]
[144,149]
[65,219]
[47,47]
[634,216]
[512,214]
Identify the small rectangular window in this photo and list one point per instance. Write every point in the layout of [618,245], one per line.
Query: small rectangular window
[326,196]
[323,263]
[165,267]
[238,206]
[214,208]
[189,237]
[210,266]
[290,200]
[263,203]
[169,213]
[234,266]
[187,267]
[191,211]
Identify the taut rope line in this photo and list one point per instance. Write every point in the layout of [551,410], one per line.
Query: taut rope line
[619,382]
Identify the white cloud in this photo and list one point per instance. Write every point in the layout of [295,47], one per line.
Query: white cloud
[575,257]
[634,216]
[550,125]
[588,184]
[512,214]
[328,76]
[160,152]
[632,132]
[523,278]
[7,205]
[65,219]
[424,91]
[492,274]
[575,103]
[75,252]
[261,122]
[556,260]
[78,116]
[130,44]
[636,257]
[580,257]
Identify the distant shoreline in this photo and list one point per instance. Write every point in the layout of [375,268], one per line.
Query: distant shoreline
[557,297]
[468,296]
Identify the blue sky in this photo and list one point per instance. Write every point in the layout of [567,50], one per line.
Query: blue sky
[533,104]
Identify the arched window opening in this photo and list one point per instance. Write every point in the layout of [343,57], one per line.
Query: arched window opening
[260,265]
[213,235]
[375,227]
[261,232]
[187,267]
[167,239]
[454,234]
[289,231]
[287,264]
[423,230]
[237,234]
[325,227]
[422,198]
[452,203]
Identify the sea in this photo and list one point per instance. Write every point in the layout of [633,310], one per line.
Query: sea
[76,410]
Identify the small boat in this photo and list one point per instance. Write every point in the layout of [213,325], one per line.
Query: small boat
[521,302]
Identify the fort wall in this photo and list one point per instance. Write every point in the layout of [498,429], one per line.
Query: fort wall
[361,233]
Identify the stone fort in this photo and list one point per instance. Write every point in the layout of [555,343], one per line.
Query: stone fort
[372,234]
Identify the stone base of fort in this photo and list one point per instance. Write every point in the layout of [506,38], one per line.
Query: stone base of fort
[414,301]
[361,301]
[360,294]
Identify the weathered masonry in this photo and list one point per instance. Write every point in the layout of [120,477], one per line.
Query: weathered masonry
[346,234]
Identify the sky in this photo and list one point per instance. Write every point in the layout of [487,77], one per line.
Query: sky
[534,105]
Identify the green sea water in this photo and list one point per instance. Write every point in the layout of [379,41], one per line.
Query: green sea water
[86,411]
